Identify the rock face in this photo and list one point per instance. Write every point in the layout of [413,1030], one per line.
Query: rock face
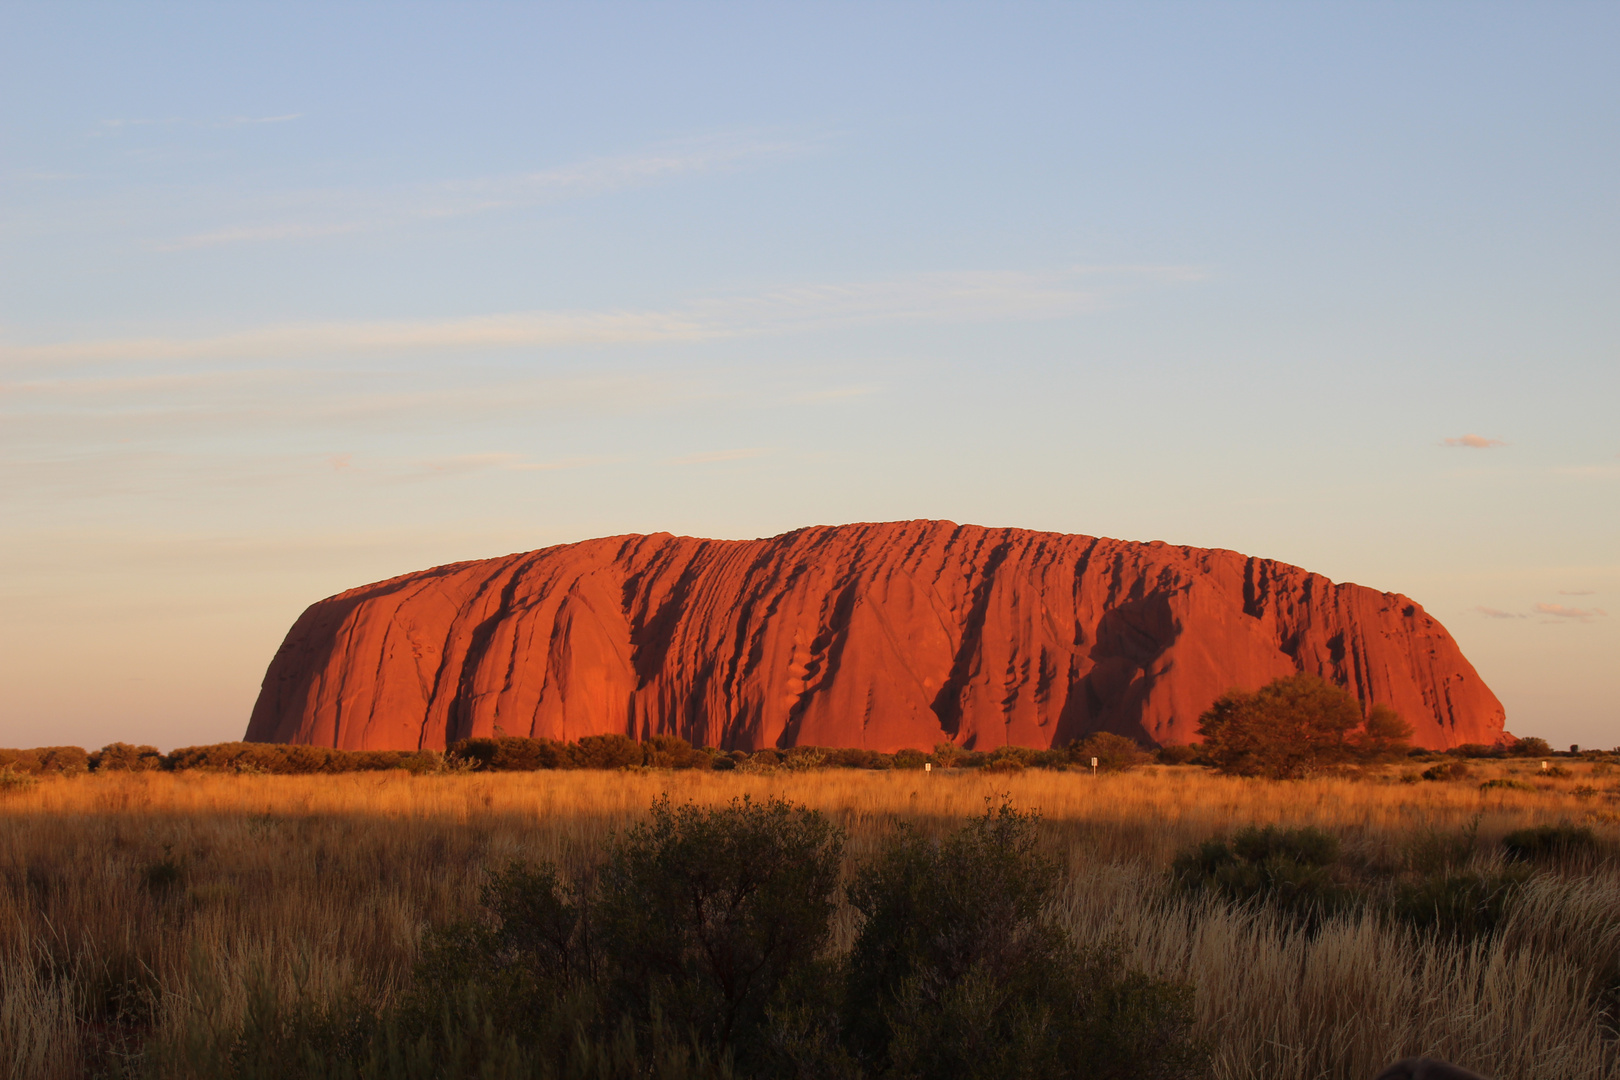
[877,635]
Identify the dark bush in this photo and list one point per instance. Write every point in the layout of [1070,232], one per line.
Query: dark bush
[1432,851]
[1506,784]
[955,973]
[1177,755]
[698,951]
[1448,770]
[1114,753]
[164,876]
[1476,750]
[1551,842]
[1530,747]
[46,760]
[674,752]
[1383,736]
[511,753]
[122,756]
[606,752]
[705,916]
[1463,905]
[1291,869]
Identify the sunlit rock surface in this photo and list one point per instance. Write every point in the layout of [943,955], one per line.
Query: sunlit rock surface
[872,635]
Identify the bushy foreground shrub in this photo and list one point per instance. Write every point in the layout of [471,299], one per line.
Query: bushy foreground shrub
[1445,885]
[699,948]
[1551,843]
[1291,869]
[955,972]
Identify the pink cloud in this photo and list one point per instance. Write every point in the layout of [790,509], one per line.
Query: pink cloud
[1496,613]
[1475,442]
[1562,612]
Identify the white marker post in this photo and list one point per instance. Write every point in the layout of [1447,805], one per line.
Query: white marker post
[928,766]
[1093,766]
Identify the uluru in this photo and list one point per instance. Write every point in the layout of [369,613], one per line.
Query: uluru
[882,636]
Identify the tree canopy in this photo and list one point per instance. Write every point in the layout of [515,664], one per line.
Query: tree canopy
[1296,726]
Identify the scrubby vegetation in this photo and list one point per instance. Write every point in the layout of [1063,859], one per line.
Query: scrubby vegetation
[699,948]
[211,924]
[512,753]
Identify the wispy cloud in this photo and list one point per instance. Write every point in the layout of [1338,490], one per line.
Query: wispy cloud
[1573,613]
[1602,471]
[460,464]
[836,393]
[282,231]
[335,212]
[1577,592]
[115,124]
[238,121]
[720,455]
[1496,613]
[939,297]
[1475,442]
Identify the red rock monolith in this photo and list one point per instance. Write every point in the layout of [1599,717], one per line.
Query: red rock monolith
[880,636]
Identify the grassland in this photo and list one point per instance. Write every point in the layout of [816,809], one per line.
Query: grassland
[140,912]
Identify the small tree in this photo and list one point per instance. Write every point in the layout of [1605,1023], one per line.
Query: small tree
[1293,727]
[1383,737]
[1114,753]
[1529,747]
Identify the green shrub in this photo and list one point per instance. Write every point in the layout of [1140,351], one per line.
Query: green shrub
[1177,755]
[14,780]
[120,756]
[1530,747]
[1448,770]
[510,753]
[1463,905]
[1383,736]
[165,876]
[606,752]
[956,974]
[1114,753]
[706,915]
[800,758]
[1290,869]
[1432,851]
[909,759]
[1504,784]
[46,761]
[674,752]
[1551,842]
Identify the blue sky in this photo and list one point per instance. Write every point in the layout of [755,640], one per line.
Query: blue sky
[297,297]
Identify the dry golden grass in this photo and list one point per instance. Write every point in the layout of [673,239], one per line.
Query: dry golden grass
[140,905]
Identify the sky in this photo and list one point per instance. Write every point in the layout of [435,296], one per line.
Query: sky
[299,297]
